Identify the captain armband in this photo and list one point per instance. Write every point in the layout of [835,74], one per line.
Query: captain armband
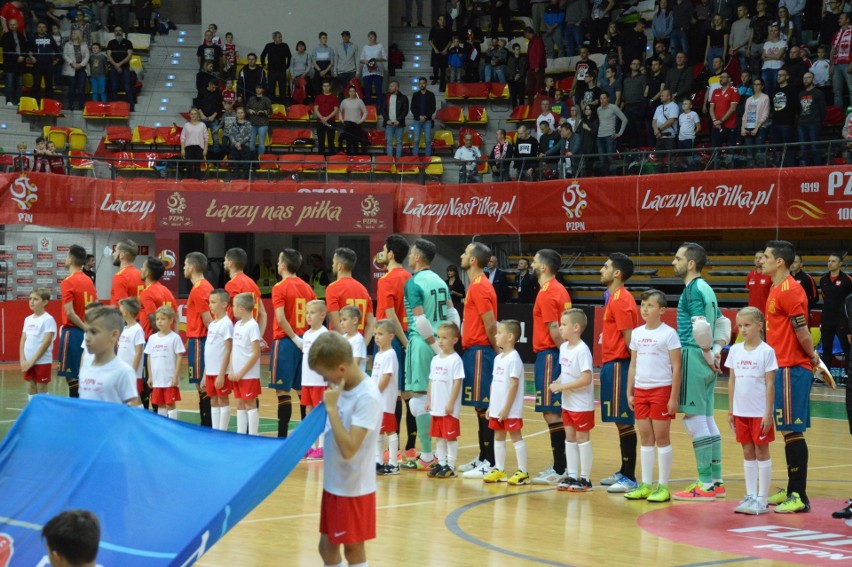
[799,321]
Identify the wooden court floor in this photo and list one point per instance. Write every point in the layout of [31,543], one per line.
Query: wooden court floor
[450,522]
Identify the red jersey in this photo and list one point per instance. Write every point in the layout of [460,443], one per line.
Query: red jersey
[197,303]
[480,298]
[152,298]
[349,291]
[10,12]
[551,301]
[126,283]
[723,99]
[758,285]
[293,294]
[241,283]
[787,301]
[620,314]
[389,293]
[78,290]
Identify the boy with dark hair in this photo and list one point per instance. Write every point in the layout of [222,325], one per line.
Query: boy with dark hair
[72,538]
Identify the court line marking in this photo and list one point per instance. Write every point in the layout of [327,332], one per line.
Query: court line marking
[720,562]
[452,524]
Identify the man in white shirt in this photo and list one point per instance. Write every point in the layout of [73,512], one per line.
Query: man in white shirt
[545,116]
[665,122]
[468,155]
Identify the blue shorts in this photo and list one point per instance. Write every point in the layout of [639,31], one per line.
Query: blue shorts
[478,371]
[396,344]
[195,359]
[614,408]
[547,371]
[793,398]
[285,365]
[70,351]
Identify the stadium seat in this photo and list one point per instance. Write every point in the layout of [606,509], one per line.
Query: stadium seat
[143,135]
[498,91]
[384,165]
[299,113]
[408,165]
[455,91]
[118,135]
[313,163]
[118,109]
[81,161]
[50,107]
[520,113]
[291,138]
[57,135]
[435,166]
[442,140]
[360,164]
[77,139]
[565,84]
[279,113]
[372,115]
[450,115]
[268,164]
[476,115]
[376,140]
[337,164]
[94,109]
[28,105]
[834,116]
[290,163]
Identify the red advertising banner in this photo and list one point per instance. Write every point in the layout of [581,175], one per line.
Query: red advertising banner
[816,197]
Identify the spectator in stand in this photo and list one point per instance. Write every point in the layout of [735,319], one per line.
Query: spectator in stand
[353,112]
[373,56]
[209,51]
[593,93]
[830,22]
[574,118]
[500,17]
[119,52]
[545,116]
[326,108]
[661,54]
[554,19]
[634,45]
[701,26]
[202,77]
[144,11]
[548,139]
[537,61]
[408,13]
[468,157]
[796,68]
[774,53]
[193,144]
[612,85]
[559,106]
[723,112]
[758,284]
[841,60]
[275,58]
[456,15]
[98,70]
[717,41]
[607,134]
[713,81]
[322,61]
[240,135]
[501,157]
[394,111]
[612,45]
[599,24]
[251,75]
[15,49]
[786,25]
[785,106]
[655,80]
[665,122]
[13,11]
[745,89]
[796,9]
[576,16]
[682,13]
[812,110]
[440,37]
[423,108]
[472,56]
[568,146]
[229,116]
[258,109]
[516,74]
[346,60]
[527,283]
[495,62]
[300,66]
[822,77]
[582,69]
[679,79]
[121,12]
[724,8]
[759,35]
[807,282]
[755,122]
[663,23]
[210,110]
[82,26]
[689,125]
[740,36]
[44,54]
[526,155]
[589,129]
[455,61]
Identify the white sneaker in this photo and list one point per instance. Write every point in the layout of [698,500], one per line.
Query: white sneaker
[474,464]
[744,505]
[623,486]
[479,472]
[548,477]
[612,479]
[755,508]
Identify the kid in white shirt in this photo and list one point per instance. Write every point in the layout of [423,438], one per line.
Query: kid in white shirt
[217,356]
[36,351]
[385,375]
[350,318]
[313,384]
[106,379]
[443,400]
[131,343]
[164,350]
[245,364]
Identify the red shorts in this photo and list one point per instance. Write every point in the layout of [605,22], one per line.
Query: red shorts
[652,403]
[140,385]
[348,520]
[389,424]
[512,424]
[246,389]
[579,420]
[212,390]
[445,427]
[311,395]
[749,431]
[39,373]
[165,396]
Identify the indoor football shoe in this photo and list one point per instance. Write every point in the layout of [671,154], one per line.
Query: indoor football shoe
[623,485]
[581,485]
[793,505]
[612,479]
[474,464]
[661,494]
[719,489]
[641,492]
[496,475]
[778,498]
[696,494]
[447,472]
[519,478]
[564,484]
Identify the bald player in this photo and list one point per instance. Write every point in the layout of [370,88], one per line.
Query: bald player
[128,281]
[77,291]
[198,318]
[346,290]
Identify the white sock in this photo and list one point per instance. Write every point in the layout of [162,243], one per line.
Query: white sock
[585,459]
[341,564]
[441,451]
[162,411]
[224,417]
[750,469]
[647,456]
[500,454]
[452,453]
[427,457]
[764,474]
[380,449]
[393,449]
[664,463]
[572,457]
[214,416]
[521,454]
[364,564]
[253,421]
[242,421]
[172,414]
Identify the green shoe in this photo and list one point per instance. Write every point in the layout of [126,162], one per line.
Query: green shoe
[641,492]
[660,494]
[793,505]
[778,498]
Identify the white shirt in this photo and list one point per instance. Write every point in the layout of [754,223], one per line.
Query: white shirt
[820,70]
[35,328]
[311,377]
[356,476]
[653,358]
[392,108]
[359,350]
[444,371]
[774,48]
[130,338]
[87,358]
[662,114]
[386,363]
[749,369]
[574,361]
[162,354]
[687,122]
[549,118]
[218,333]
[245,333]
[507,367]
[470,155]
[112,382]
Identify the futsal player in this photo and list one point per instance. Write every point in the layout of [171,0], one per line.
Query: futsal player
[198,318]
[77,291]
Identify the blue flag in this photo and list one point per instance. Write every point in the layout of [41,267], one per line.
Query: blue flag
[164,491]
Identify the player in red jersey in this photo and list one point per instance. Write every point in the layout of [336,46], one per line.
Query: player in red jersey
[198,317]
[154,296]
[758,284]
[390,305]
[77,291]
[346,290]
[128,281]
[235,262]
[290,298]
[551,301]
[788,334]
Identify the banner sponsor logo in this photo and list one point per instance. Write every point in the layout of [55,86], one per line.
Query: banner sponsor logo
[7,549]
[725,196]
[24,248]
[24,193]
[176,205]
[574,204]
[370,208]
[45,244]
[132,207]
[460,208]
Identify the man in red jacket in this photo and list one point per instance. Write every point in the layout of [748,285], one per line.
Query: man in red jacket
[537,57]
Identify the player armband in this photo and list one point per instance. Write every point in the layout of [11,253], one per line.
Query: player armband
[701,332]
[453,316]
[799,321]
[722,334]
